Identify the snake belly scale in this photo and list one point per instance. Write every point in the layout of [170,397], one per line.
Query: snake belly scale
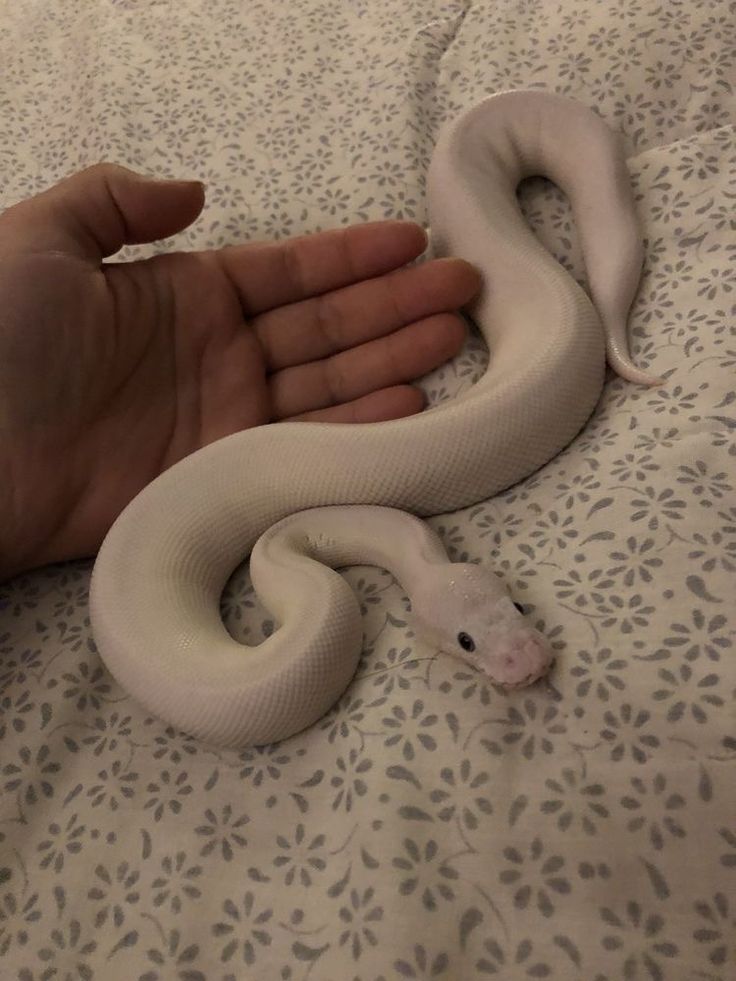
[158,579]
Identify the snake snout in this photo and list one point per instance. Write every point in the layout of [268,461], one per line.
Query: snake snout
[521,659]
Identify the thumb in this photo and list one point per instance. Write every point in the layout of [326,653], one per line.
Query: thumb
[95,212]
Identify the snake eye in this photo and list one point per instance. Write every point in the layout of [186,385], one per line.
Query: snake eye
[519,607]
[466,641]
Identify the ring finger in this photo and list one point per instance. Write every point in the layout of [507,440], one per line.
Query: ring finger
[326,325]
[383,363]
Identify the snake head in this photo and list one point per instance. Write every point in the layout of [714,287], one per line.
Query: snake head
[465,610]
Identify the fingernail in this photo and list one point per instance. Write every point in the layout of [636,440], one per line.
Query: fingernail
[184,183]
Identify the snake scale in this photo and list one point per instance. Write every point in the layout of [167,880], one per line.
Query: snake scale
[326,495]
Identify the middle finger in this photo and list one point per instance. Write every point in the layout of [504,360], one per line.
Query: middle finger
[322,326]
[383,363]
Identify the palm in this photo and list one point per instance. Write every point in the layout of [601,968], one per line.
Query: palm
[113,372]
[122,386]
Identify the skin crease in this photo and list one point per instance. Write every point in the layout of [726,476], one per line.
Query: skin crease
[111,372]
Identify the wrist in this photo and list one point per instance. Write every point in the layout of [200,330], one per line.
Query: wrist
[8,557]
[17,523]
[8,569]
[11,561]
[40,528]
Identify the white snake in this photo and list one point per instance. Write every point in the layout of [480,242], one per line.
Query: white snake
[159,576]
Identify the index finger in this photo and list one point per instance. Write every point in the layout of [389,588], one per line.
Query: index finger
[271,274]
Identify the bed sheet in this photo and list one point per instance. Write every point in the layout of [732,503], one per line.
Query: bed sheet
[429,826]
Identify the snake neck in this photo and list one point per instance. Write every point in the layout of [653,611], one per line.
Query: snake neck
[347,536]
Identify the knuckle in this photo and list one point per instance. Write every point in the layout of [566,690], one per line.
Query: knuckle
[294,267]
[334,381]
[327,320]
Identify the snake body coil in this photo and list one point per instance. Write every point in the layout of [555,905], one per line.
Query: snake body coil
[160,573]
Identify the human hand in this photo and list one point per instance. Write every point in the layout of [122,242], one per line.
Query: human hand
[111,372]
